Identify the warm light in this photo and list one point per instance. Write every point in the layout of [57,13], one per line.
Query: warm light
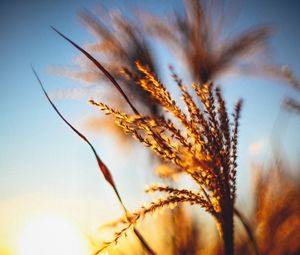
[49,235]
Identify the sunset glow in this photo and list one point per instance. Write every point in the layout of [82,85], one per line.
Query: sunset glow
[51,234]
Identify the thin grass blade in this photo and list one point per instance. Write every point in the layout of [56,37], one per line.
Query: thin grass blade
[248,229]
[103,168]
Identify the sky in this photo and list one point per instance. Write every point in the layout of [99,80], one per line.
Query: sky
[45,167]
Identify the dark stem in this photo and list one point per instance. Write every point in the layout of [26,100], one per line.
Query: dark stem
[226,221]
[227,230]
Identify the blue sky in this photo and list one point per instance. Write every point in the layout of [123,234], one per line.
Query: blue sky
[40,156]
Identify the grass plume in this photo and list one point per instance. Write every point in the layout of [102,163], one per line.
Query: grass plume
[206,150]
[195,38]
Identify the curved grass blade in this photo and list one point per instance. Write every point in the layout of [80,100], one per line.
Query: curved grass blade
[102,69]
[103,168]
[248,230]
[105,171]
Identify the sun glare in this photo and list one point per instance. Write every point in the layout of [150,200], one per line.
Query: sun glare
[49,235]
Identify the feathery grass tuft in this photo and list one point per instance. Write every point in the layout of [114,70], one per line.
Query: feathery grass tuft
[203,146]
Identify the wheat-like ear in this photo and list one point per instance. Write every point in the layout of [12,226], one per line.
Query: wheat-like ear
[234,153]
[197,197]
[223,121]
[168,202]
[196,119]
[158,91]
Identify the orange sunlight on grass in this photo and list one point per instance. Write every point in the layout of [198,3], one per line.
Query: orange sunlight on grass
[51,234]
